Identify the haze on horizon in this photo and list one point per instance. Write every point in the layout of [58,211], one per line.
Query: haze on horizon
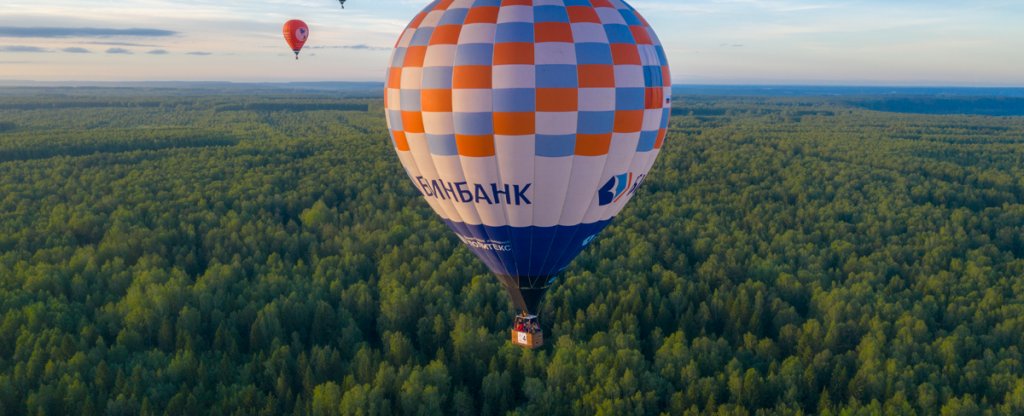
[811,42]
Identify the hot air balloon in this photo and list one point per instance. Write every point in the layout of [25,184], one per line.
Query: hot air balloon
[342,3]
[527,126]
[295,33]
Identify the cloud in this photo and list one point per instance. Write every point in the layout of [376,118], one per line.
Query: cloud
[157,52]
[22,48]
[141,45]
[76,49]
[119,51]
[68,32]
[199,53]
[360,46]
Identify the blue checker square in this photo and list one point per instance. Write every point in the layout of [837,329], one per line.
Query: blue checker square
[398,59]
[647,139]
[652,76]
[473,124]
[542,14]
[514,100]
[454,17]
[619,33]
[485,3]
[410,100]
[630,17]
[549,145]
[664,117]
[661,54]
[421,37]
[594,53]
[474,54]
[578,3]
[596,122]
[396,119]
[437,78]
[442,144]
[630,98]
[557,76]
[514,32]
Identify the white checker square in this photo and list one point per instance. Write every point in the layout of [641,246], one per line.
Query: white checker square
[561,123]
[610,16]
[514,76]
[474,100]
[589,33]
[477,33]
[597,99]
[555,53]
[438,122]
[509,14]
[432,19]
[439,55]
[626,76]
[412,78]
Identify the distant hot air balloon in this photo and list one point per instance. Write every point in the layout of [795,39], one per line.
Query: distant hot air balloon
[295,33]
[527,126]
[342,3]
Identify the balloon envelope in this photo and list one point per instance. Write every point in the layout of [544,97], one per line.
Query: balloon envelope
[295,33]
[527,126]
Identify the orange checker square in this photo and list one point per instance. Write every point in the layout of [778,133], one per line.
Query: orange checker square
[443,4]
[582,14]
[471,76]
[475,146]
[641,35]
[666,78]
[596,76]
[401,143]
[516,3]
[552,32]
[412,122]
[394,77]
[446,35]
[557,99]
[483,14]
[661,138]
[593,144]
[627,121]
[654,98]
[625,54]
[642,20]
[436,100]
[515,124]
[513,53]
[414,56]
[416,21]
[601,3]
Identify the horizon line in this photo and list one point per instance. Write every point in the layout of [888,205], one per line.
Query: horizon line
[7,83]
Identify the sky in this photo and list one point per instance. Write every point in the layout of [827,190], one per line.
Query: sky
[804,42]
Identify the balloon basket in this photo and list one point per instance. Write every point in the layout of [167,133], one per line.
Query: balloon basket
[526,333]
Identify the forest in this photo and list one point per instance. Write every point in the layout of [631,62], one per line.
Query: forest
[177,252]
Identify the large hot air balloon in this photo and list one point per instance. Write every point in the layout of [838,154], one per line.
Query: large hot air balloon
[295,33]
[527,126]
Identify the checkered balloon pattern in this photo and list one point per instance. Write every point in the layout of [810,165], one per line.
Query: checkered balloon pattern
[527,125]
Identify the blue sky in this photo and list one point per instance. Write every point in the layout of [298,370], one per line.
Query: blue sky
[854,42]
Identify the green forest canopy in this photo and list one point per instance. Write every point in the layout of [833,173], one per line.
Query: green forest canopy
[181,253]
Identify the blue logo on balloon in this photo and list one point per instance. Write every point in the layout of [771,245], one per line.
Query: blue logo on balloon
[614,188]
[619,186]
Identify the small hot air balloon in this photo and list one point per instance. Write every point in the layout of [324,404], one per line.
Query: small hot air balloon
[295,33]
[527,126]
[342,3]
